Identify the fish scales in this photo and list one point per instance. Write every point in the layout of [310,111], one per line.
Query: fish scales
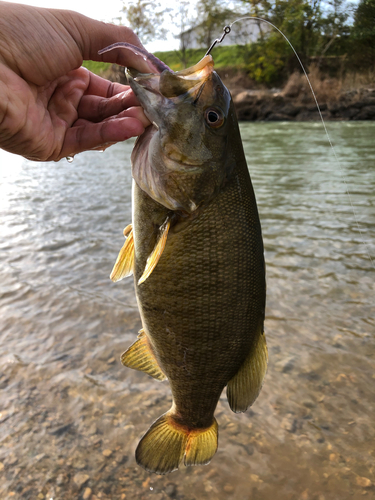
[196,251]
[201,314]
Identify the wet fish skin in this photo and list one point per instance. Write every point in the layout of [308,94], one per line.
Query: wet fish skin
[202,306]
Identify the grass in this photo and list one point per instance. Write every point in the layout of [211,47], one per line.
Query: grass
[97,67]
[224,56]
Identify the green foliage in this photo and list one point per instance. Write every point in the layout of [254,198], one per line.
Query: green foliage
[264,61]
[363,34]
[316,29]
[97,67]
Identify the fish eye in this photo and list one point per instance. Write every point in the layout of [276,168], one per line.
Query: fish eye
[214,117]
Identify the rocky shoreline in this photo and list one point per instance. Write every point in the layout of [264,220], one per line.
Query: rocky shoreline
[294,102]
[259,105]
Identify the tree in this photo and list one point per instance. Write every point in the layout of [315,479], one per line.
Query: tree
[145,18]
[214,16]
[363,34]
[270,58]
[183,21]
[334,28]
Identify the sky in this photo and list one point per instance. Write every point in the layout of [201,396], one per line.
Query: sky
[102,10]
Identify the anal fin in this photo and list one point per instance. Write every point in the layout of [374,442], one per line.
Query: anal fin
[244,387]
[155,255]
[167,443]
[125,261]
[139,356]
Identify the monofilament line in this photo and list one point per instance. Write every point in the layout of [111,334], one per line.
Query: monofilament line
[253,18]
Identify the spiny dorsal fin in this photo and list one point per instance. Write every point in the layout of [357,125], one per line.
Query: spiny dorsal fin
[125,261]
[157,251]
[244,387]
[140,357]
[167,443]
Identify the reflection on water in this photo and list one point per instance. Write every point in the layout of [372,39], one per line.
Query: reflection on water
[71,415]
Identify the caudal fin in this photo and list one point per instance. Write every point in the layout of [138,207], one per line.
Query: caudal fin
[166,444]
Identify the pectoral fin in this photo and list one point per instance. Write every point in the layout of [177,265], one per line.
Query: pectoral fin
[157,251]
[139,356]
[125,261]
[244,387]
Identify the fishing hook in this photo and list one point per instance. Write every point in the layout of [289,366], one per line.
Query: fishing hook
[226,30]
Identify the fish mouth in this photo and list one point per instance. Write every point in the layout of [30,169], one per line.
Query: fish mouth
[162,90]
[167,98]
[186,78]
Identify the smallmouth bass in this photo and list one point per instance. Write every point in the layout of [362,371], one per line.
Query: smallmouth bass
[195,249]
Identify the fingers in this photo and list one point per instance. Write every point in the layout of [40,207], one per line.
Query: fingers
[101,87]
[133,112]
[96,108]
[117,100]
[138,113]
[86,135]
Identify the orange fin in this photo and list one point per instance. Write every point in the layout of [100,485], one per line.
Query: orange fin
[166,444]
[125,261]
[157,251]
[140,357]
[244,387]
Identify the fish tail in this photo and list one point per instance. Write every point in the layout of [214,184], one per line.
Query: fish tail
[167,443]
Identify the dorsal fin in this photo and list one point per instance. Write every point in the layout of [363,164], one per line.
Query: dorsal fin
[155,255]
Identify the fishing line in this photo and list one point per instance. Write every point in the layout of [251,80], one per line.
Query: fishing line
[227,29]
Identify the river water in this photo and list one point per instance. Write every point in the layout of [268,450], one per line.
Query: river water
[71,415]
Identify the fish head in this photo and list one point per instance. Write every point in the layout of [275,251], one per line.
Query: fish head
[184,157]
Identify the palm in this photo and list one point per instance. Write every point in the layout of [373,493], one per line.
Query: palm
[61,116]
[50,111]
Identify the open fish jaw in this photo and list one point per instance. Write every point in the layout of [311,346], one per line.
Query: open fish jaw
[182,142]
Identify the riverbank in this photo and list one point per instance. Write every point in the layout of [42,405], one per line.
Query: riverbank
[338,99]
[260,105]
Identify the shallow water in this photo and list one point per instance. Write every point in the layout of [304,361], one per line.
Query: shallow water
[71,415]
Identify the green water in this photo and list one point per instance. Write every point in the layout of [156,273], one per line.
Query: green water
[71,415]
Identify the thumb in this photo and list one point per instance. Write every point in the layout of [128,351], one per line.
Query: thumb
[92,36]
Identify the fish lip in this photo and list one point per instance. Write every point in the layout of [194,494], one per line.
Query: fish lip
[149,98]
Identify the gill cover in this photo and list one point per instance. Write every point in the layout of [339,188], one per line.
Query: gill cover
[183,158]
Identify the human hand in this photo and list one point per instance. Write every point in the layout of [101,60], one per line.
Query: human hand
[50,107]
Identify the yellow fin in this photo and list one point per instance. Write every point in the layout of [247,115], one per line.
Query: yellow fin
[244,387]
[125,261]
[201,445]
[157,251]
[140,357]
[162,448]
